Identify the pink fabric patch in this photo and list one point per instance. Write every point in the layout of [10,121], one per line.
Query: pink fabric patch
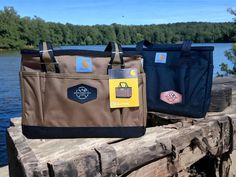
[171,97]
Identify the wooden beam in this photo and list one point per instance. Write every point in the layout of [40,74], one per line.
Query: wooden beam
[163,151]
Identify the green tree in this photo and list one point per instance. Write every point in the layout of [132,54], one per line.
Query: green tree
[17,32]
[9,27]
[230,54]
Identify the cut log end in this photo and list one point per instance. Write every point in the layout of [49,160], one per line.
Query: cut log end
[221,98]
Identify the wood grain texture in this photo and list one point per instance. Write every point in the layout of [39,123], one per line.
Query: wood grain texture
[22,160]
[221,97]
[163,151]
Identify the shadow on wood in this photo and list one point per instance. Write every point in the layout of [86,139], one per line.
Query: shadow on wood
[170,146]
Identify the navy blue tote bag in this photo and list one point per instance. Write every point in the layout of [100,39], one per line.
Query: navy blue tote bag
[179,77]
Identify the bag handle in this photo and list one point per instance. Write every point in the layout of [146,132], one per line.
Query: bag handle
[141,44]
[124,84]
[47,59]
[116,54]
[186,46]
[186,57]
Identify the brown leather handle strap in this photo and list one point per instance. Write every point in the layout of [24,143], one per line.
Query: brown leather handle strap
[116,54]
[47,59]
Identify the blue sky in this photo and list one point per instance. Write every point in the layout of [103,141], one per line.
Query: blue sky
[90,12]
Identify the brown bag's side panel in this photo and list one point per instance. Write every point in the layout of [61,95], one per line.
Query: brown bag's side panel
[32,99]
[30,63]
[134,62]
[144,101]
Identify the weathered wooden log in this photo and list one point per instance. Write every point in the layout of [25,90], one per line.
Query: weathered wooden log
[163,151]
[22,159]
[189,153]
[233,118]
[221,97]
[224,166]
[104,157]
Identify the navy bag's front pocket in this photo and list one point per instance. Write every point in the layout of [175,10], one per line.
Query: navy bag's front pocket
[166,86]
[172,84]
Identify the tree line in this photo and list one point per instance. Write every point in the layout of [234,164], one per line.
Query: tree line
[17,32]
[230,54]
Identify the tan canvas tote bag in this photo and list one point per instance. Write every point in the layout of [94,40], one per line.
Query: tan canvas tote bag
[60,102]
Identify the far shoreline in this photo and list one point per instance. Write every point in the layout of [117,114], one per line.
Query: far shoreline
[61,45]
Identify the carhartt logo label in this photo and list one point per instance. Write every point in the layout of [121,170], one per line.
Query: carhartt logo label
[84,65]
[160,57]
[133,72]
[82,93]
[171,97]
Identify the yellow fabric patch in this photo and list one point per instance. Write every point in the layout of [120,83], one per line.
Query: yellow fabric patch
[124,92]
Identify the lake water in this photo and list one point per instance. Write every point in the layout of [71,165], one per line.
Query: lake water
[10,101]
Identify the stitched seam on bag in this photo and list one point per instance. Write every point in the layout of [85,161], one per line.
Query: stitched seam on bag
[22,95]
[144,101]
[42,79]
[71,76]
[66,76]
[210,65]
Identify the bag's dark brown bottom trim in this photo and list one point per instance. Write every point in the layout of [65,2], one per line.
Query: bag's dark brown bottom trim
[82,132]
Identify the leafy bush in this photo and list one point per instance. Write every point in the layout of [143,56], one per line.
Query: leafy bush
[230,54]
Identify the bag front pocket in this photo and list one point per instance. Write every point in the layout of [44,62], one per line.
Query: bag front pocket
[78,101]
[197,87]
[32,98]
[166,86]
[172,84]
[72,100]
